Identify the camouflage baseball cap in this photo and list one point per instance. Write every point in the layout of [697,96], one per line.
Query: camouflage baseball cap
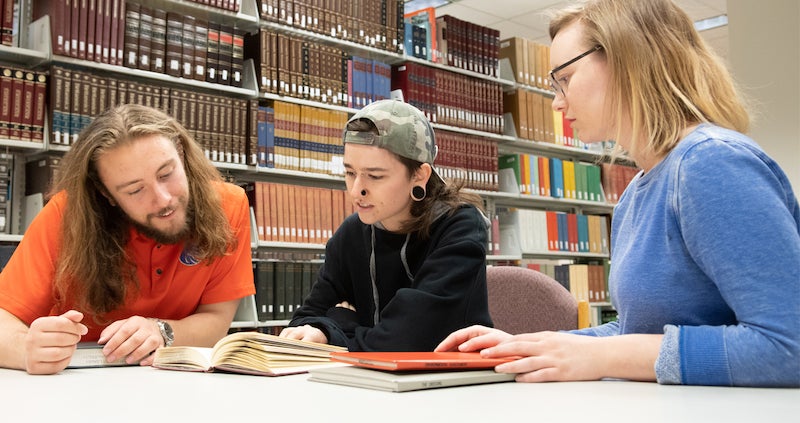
[402,129]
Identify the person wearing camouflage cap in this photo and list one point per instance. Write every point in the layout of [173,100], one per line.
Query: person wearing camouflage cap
[409,266]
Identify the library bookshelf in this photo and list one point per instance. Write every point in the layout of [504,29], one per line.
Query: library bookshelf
[187,96]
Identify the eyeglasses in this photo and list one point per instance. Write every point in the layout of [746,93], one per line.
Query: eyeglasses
[554,85]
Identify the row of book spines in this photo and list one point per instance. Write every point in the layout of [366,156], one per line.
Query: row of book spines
[587,282]
[467,157]
[89,29]
[450,98]
[306,138]
[467,45]
[615,179]
[23,94]
[368,80]
[281,287]
[539,231]
[183,46]
[534,118]
[218,122]
[554,177]
[530,61]
[298,214]
[296,67]
[376,24]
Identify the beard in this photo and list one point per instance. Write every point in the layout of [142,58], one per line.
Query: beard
[167,238]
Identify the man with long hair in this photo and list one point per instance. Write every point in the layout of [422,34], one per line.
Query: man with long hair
[140,245]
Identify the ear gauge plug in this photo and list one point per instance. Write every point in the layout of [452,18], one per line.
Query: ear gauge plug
[363,192]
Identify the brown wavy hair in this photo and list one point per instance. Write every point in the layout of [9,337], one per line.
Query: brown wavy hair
[92,265]
[662,72]
[424,213]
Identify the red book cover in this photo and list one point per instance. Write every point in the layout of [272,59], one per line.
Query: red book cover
[427,360]
[552,230]
[39,95]
[17,96]
[100,31]
[74,28]
[26,124]
[59,12]
[572,231]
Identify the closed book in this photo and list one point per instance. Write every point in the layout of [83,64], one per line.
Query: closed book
[405,381]
[158,41]
[145,37]
[131,38]
[90,354]
[418,360]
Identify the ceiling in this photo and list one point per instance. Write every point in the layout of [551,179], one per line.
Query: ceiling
[525,18]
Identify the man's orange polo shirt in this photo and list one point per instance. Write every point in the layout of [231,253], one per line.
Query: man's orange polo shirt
[172,283]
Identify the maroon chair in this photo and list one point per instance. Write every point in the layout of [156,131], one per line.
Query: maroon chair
[522,300]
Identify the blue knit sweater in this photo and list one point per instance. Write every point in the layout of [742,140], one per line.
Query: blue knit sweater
[706,250]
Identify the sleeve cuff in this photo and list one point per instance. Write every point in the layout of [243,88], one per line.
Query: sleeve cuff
[668,367]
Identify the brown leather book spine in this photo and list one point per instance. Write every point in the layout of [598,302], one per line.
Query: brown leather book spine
[158,41]
[17,98]
[74,28]
[200,49]
[187,47]
[145,37]
[131,43]
[113,24]
[26,123]
[6,83]
[193,120]
[56,103]
[91,17]
[39,102]
[174,48]
[75,117]
[237,58]
[254,115]
[225,54]
[100,31]
[212,55]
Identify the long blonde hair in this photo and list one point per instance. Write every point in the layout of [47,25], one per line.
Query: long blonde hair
[662,73]
[92,265]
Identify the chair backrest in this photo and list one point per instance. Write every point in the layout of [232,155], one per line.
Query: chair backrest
[522,300]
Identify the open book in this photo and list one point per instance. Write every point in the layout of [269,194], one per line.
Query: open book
[252,353]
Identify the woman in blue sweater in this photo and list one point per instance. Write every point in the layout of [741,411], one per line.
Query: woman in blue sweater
[705,240]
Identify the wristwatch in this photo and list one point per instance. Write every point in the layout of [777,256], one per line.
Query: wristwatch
[166,332]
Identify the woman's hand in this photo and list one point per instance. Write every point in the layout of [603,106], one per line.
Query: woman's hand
[473,338]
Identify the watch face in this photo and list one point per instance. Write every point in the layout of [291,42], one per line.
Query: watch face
[166,332]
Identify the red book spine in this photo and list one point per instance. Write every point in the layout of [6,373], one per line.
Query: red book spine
[39,102]
[17,96]
[26,123]
[5,108]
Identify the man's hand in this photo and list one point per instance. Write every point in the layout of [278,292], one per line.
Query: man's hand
[134,338]
[51,341]
[305,333]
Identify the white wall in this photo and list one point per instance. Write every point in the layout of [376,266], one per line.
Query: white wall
[764,58]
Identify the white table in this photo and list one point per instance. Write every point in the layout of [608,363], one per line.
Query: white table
[143,394]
